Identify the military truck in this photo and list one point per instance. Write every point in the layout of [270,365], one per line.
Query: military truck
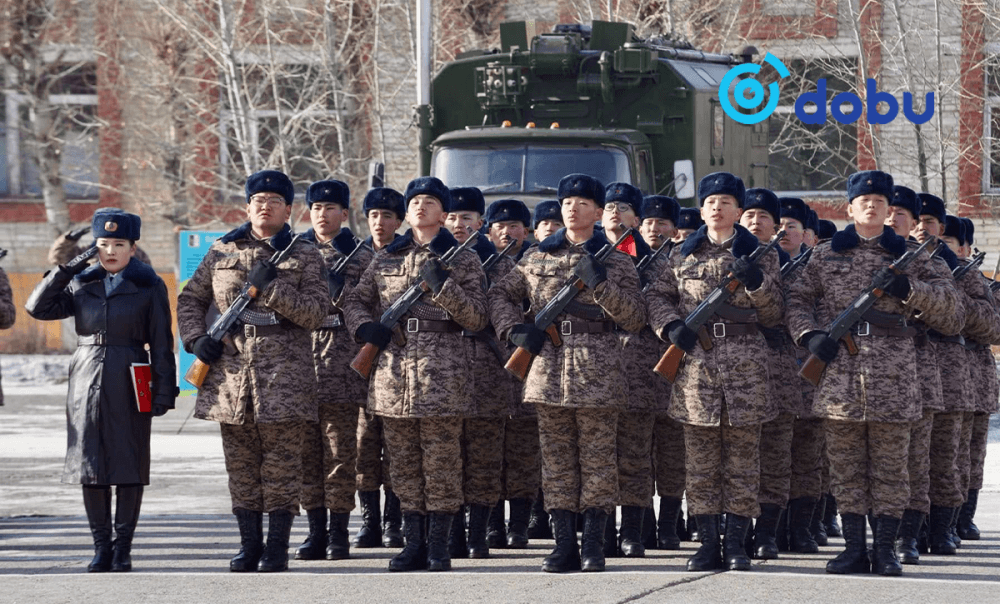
[593,99]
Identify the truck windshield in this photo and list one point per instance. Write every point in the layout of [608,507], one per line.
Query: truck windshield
[520,168]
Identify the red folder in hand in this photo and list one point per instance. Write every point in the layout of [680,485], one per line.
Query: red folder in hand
[142,379]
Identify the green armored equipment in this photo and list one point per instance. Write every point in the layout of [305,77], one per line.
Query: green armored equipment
[597,100]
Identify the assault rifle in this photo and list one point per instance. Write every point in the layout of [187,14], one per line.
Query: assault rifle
[647,262]
[671,361]
[520,361]
[493,259]
[813,368]
[365,359]
[795,264]
[339,268]
[229,322]
[962,269]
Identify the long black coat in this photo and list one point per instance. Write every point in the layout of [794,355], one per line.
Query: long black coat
[107,437]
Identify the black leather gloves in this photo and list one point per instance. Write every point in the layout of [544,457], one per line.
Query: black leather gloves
[159,410]
[681,335]
[822,345]
[895,284]
[262,274]
[80,263]
[590,271]
[375,333]
[434,274]
[207,350]
[75,234]
[528,337]
[748,273]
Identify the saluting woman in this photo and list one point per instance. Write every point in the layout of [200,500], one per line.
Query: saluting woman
[122,317]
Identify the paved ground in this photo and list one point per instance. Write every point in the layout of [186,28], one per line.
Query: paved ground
[186,537]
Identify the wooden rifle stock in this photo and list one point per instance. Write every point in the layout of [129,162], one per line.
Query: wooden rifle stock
[365,360]
[813,369]
[518,363]
[196,373]
[670,363]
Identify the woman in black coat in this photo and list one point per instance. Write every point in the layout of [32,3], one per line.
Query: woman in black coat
[120,306]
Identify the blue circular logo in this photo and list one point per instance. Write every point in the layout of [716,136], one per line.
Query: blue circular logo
[753,88]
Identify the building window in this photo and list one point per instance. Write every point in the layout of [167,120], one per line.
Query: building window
[991,138]
[74,96]
[807,158]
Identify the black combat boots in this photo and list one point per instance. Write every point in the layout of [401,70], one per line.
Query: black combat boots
[649,528]
[800,513]
[953,527]
[517,528]
[314,547]
[906,540]
[816,528]
[884,561]
[830,517]
[251,541]
[538,522]
[279,529]
[97,503]
[338,545]
[630,534]
[479,516]
[566,555]
[734,542]
[967,529]
[392,521]
[370,533]
[938,529]
[414,554]
[764,544]
[854,558]
[709,555]
[127,504]
[458,547]
[610,535]
[592,548]
[438,530]
[666,524]
[496,531]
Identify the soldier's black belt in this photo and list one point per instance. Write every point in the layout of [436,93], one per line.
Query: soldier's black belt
[332,321]
[865,328]
[728,330]
[101,339]
[735,314]
[777,338]
[263,331]
[567,328]
[975,346]
[936,336]
[414,325]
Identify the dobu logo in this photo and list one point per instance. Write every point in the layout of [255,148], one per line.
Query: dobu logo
[756,90]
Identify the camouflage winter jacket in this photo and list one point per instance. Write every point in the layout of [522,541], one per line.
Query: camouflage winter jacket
[588,370]
[271,376]
[427,373]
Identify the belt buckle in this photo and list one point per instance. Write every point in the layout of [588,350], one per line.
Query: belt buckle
[566,328]
[249,330]
[101,338]
[867,329]
[718,330]
[412,325]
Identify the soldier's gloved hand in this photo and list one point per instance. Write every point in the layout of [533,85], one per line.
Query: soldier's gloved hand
[75,234]
[590,271]
[262,274]
[748,273]
[207,350]
[159,410]
[375,333]
[892,283]
[80,263]
[681,335]
[822,345]
[528,337]
[335,281]
[434,274]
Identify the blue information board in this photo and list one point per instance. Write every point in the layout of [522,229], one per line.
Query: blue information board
[193,246]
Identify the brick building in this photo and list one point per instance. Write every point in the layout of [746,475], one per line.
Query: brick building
[132,95]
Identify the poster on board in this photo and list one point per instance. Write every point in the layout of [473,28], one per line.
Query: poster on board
[193,246]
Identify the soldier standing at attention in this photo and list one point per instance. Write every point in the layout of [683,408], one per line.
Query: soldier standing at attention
[384,209]
[688,222]
[721,395]
[578,387]
[508,220]
[329,448]
[7,310]
[548,219]
[868,399]
[264,393]
[482,431]
[419,385]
